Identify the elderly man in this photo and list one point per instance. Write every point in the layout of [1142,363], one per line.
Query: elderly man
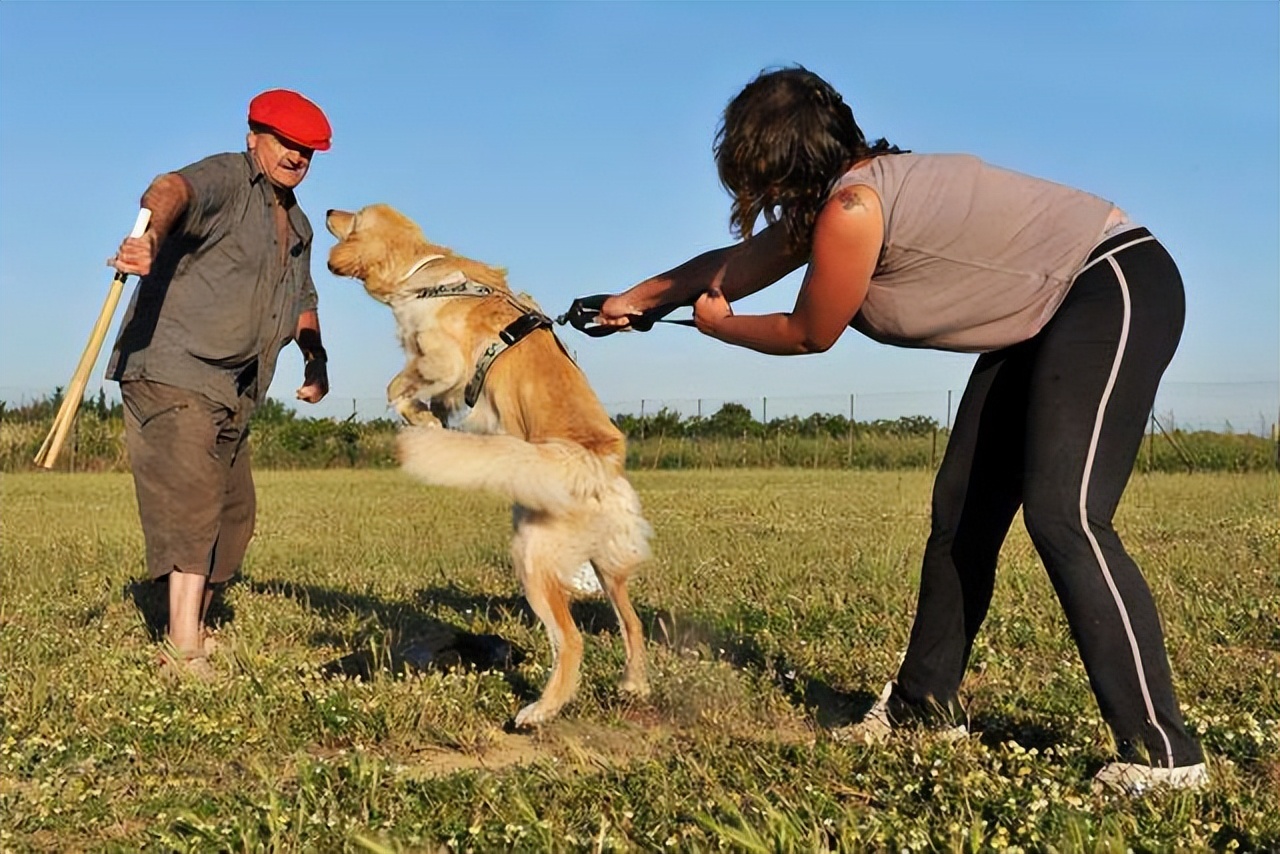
[225,269]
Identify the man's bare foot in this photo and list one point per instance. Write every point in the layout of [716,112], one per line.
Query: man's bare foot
[175,664]
[209,645]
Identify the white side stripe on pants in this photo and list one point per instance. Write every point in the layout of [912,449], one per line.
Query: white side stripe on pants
[1084,495]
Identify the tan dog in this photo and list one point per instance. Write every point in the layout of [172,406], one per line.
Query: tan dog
[536,433]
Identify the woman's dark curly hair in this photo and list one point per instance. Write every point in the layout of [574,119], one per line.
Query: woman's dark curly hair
[782,142]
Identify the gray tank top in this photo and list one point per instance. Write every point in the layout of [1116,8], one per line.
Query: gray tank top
[975,258]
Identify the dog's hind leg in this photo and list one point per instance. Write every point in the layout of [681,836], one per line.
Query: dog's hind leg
[536,563]
[623,545]
[634,674]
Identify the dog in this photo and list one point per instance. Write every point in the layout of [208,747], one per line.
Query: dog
[522,422]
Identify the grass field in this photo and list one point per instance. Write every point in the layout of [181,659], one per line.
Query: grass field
[777,604]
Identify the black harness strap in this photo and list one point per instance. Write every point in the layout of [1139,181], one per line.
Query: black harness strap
[512,334]
[523,325]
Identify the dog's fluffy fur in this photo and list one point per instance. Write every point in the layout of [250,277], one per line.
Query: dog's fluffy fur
[537,434]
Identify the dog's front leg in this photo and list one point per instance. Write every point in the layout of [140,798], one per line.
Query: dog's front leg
[403,394]
[417,413]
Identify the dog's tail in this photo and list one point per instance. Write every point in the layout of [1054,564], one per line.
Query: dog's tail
[550,476]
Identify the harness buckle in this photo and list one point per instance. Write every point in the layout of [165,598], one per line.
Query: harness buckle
[522,326]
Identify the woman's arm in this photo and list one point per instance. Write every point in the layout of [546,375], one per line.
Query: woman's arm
[846,245]
[741,270]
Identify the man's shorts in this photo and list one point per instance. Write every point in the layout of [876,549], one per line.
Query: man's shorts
[190,461]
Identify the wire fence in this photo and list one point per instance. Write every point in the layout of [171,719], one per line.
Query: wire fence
[865,431]
[1245,407]
[1220,407]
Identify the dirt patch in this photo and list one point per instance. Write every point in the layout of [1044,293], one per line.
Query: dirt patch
[575,745]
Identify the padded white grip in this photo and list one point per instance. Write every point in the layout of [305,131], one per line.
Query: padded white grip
[140,225]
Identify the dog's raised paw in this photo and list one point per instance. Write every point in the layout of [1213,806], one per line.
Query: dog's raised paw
[401,387]
[416,413]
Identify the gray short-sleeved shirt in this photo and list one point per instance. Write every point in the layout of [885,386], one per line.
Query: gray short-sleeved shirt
[218,300]
[975,257]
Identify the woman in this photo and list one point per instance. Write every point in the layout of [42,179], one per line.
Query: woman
[1075,311]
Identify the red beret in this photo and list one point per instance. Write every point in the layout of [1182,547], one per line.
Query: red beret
[291,116]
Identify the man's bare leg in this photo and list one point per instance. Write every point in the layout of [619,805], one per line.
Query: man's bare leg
[186,607]
[207,641]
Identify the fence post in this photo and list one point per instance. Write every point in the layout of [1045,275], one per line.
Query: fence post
[642,418]
[948,410]
[764,434]
[1151,441]
[849,463]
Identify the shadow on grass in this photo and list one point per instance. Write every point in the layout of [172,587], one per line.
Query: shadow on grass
[681,633]
[994,730]
[398,636]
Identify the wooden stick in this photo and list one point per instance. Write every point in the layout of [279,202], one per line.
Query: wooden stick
[48,453]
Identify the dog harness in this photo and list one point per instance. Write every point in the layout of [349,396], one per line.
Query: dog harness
[512,334]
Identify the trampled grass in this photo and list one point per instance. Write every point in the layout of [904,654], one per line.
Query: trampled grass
[777,605]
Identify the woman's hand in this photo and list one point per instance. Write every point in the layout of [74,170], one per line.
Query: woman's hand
[617,310]
[710,310]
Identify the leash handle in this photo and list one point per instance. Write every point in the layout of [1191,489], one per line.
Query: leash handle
[583,312]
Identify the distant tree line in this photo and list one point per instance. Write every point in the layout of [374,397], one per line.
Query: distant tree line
[733,421]
[731,437]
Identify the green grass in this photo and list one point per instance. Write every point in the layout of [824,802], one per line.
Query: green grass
[777,604]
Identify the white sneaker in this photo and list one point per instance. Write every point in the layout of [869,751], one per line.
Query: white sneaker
[584,581]
[1135,780]
[876,727]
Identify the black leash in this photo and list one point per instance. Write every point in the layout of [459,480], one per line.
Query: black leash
[583,312]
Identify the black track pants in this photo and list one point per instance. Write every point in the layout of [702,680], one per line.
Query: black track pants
[1054,425]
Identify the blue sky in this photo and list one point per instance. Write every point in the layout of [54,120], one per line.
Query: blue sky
[571,143]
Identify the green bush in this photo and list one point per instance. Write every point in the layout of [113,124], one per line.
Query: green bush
[731,438]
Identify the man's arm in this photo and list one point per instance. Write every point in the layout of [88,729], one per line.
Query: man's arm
[315,382]
[167,198]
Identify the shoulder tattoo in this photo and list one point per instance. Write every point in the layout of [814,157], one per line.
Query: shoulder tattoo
[850,198]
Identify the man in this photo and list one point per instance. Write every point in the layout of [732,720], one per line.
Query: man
[225,269]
